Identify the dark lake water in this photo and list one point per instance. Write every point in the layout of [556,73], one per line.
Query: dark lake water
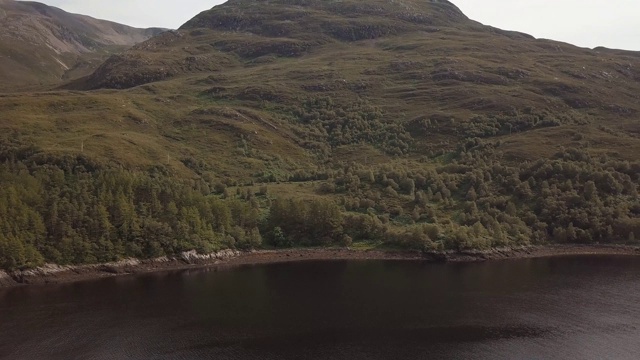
[555,308]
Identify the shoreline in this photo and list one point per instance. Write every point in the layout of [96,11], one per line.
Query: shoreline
[55,274]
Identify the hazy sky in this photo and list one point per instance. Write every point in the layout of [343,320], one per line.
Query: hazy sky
[588,23]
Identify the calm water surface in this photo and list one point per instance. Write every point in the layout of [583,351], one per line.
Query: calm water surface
[556,308]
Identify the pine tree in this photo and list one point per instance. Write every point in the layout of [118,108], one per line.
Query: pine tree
[590,191]
[471,194]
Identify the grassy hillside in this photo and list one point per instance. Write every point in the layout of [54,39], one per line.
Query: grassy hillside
[393,123]
[44,45]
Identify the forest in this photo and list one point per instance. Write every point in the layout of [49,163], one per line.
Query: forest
[69,209]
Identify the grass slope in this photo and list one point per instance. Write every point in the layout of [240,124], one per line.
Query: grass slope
[44,45]
[423,125]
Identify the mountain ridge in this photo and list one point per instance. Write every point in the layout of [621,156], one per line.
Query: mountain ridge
[44,45]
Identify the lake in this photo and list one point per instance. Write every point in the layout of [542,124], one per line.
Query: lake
[551,308]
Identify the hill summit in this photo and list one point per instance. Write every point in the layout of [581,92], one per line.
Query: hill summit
[256,30]
[340,20]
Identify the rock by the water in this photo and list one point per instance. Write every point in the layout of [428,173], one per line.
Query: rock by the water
[193,256]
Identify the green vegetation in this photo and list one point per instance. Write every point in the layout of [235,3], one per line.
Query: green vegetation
[313,123]
[72,210]
[324,125]
[45,45]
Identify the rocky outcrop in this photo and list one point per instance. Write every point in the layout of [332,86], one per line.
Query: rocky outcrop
[53,269]
[6,280]
[52,273]
[192,257]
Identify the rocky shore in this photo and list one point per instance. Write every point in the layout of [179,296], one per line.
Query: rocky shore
[52,274]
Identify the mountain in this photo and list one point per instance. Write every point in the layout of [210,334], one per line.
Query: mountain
[429,68]
[41,44]
[240,31]
[387,122]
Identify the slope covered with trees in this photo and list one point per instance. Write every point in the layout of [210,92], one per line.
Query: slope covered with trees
[71,210]
[285,123]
